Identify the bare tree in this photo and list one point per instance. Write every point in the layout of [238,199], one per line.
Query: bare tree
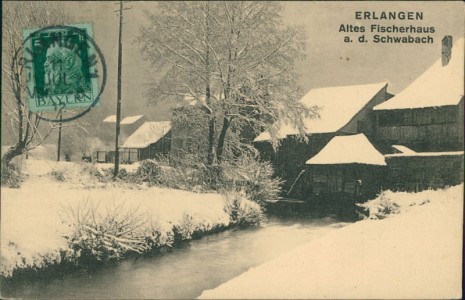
[236,59]
[25,125]
[178,44]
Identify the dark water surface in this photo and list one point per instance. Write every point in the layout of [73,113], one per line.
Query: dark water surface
[186,271]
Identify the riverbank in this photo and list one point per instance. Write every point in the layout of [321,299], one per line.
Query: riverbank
[183,273]
[40,220]
[415,252]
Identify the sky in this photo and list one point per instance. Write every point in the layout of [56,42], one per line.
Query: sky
[329,60]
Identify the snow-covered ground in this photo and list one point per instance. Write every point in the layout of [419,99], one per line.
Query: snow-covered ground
[32,228]
[413,254]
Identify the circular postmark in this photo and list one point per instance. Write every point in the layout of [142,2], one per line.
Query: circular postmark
[61,67]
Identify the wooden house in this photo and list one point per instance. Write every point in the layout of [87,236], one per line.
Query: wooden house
[348,169]
[428,114]
[106,134]
[424,123]
[148,141]
[412,171]
[343,110]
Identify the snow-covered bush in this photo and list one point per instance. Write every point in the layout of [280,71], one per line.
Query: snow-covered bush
[82,173]
[186,228]
[243,212]
[149,171]
[103,175]
[11,175]
[125,176]
[58,175]
[108,233]
[179,173]
[91,169]
[389,202]
[189,172]
[381,207]
[104,236]
[191,227]
[246,173]
[253,177]
[157,238]
[15,260]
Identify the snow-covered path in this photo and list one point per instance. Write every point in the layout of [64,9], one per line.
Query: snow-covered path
[416,254]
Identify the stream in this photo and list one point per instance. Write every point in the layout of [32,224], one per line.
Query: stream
[187,270]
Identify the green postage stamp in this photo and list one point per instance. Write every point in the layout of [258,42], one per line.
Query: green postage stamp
[61,67]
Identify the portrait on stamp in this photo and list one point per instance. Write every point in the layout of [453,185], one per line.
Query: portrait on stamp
[61,65]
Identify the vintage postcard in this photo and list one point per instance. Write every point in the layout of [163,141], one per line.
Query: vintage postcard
[232,149]
[59,67]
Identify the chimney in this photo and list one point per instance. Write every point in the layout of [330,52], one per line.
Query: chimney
[446,49]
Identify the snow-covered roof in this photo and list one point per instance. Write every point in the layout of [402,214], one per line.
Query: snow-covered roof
[148,133]
[403,149]
[338,105]
[437,86]
[131,119]
[348,149]
[450,153]
[110,119]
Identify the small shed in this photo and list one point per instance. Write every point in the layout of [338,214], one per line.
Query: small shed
[148,141]
[348,168]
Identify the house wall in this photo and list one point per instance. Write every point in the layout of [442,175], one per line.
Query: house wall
[424,129]
[416,173]
[161,148]
[128,155]
[289,160]
[348,182]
